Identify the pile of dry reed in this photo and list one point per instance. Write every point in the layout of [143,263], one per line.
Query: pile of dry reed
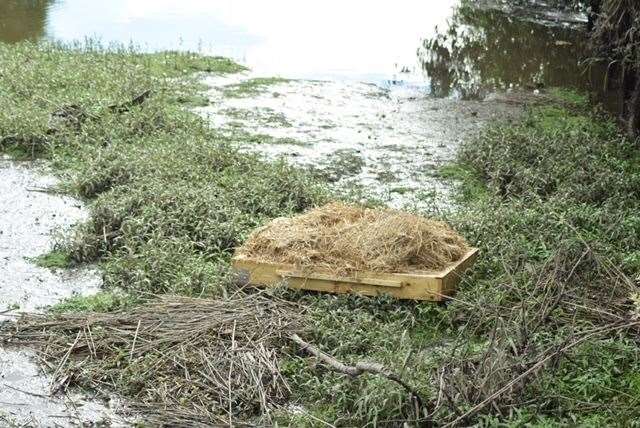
[581,296]
[344,238]
[200,360]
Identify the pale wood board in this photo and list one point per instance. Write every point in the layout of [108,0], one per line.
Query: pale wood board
[433,286]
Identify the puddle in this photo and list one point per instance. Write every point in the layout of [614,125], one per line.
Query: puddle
[25,399]
[389,142]
[28,215]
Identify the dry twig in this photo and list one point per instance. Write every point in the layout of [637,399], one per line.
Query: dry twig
[358,369]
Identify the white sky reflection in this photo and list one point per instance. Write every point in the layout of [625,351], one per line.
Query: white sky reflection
[345,38]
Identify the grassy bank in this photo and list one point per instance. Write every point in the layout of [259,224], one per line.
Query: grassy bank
[542,332]
[169,196]
[553,202]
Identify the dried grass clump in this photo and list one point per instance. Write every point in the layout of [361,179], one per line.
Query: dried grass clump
[344,238]
[197,361]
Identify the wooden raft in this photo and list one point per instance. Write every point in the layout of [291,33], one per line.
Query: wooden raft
[432,285]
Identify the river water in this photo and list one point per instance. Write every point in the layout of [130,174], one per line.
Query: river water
[373,41]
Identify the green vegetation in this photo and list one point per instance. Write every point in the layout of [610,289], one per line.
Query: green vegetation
[553,202]
[557,220]
[252,87]
[170,197]
[193,100]
[60,100]
[55,259]
[263,116]
[252,138]
[343,163]
[616,46]
[104,301]
[570,97]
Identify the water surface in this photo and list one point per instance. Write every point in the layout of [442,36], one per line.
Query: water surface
[448,48]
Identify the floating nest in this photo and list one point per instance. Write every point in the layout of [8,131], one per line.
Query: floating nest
[343,238]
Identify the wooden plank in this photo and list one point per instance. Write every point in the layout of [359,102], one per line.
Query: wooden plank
[433,286]
[355,280]
[454,275]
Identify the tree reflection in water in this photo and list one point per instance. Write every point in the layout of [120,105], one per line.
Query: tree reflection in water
[483,49]
[23,19]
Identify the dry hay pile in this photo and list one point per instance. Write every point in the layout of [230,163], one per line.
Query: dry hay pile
[187,361]
[344,238]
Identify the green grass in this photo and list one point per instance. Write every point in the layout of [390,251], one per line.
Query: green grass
[55,259]
[570,97]
[343,163]
[193,100]
[170,198]
[104,301]
[247,137]
[38,80]
[558,190]
[263,116]
[252,87]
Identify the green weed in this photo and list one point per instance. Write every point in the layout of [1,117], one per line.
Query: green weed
[570,97]
[252,87]
[552,203]
[264,116]
[104,301]
[170,197]
[55,259]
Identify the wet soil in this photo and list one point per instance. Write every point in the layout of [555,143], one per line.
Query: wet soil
[387,141]
[29,215]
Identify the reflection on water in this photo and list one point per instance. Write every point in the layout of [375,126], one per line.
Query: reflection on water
[484,49]
[23,19]
[355,39]
[464,50]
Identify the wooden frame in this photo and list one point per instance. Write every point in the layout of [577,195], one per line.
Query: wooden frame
[434,286]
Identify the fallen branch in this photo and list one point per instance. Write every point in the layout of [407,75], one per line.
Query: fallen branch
[358,369]
[536,367]
[126,106]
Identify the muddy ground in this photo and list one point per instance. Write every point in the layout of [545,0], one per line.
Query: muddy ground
[387,142]
[29,216]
